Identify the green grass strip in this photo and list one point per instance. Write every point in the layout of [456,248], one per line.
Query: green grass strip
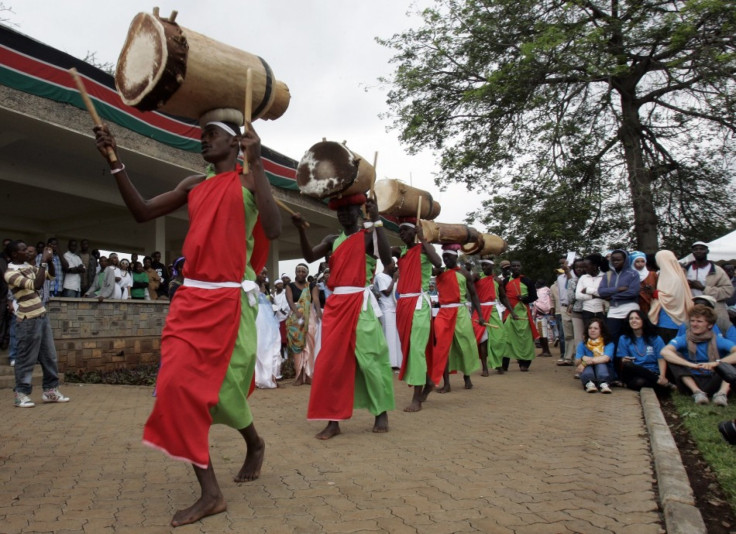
[702,424]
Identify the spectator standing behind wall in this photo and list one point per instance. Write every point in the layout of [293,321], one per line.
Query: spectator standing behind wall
[90,265]
[73,268]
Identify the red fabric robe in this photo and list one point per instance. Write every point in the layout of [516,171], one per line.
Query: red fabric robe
[410,281]
[333,384]
[486,290]
[202,324]
[444,323]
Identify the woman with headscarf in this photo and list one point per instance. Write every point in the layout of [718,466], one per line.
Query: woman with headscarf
[647,279]
[299,298]
[672,299]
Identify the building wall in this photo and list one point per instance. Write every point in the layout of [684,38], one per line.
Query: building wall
[109,335]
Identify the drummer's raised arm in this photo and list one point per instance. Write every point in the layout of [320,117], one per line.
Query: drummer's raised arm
[142,209]
[309,252]
[267,208]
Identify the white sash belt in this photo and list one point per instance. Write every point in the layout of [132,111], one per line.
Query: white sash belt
[367,296]
[452,305]
[423,294]
[492,303]
[248,286]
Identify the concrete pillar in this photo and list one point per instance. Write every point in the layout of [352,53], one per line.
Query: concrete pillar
[156,239]
[160,240]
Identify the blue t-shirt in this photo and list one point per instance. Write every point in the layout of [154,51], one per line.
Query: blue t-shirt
[665,321]
[730,333]
[644,354]
[701,350]
[585,351]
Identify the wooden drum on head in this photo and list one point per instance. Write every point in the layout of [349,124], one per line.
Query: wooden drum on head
[443,233]
[331,169]
[398,199]
[174,69]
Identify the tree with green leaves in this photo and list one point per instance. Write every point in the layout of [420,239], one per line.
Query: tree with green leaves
[586,121]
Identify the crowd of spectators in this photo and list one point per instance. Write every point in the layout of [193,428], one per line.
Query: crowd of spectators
[82,272]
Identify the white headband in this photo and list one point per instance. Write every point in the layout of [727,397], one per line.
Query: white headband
[453,252]
[223,126]
[410,225]
[489,262]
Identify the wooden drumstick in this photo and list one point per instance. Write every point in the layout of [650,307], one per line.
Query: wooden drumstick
[248,109]
[373,183]
[288,210]
[419,214]
[91,108]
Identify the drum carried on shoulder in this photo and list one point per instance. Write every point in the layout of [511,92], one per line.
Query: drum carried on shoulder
[164,66]
[486,244]
[398,199]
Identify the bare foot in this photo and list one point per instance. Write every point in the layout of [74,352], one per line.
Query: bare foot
[428,388]
[484,373]
[468,383]
[500,370]
[381,424]
[251,469]
[415,406]
[444,389]
[330,431]
[205,506]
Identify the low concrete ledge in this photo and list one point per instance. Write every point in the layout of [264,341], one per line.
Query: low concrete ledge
[675,493]
[104,336]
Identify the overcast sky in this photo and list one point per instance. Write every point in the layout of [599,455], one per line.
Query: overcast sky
[325,51]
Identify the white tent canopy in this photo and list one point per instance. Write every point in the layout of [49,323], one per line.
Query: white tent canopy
[721,249]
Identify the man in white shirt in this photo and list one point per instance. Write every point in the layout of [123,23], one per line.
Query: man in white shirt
[385,283]
[587,289]
[73,269]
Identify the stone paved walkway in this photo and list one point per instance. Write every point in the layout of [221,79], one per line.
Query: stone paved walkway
[520,453]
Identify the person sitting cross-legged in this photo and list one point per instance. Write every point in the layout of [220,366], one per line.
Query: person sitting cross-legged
[639,349]
[594,356]
[694,357]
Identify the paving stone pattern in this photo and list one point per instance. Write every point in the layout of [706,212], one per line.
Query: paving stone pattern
[520,453]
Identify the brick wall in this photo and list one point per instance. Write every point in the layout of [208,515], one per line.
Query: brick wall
[104,336]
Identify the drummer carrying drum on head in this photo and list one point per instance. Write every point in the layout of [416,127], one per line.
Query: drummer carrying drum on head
[208,347]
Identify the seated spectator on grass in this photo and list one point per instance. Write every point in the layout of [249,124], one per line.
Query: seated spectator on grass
[640,349]
[694,357]
[594,356]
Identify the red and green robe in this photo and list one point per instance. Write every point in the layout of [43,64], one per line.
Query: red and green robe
[520,333]
[414,315]
[352,369]
[487,289]
[208,345]
[454,340]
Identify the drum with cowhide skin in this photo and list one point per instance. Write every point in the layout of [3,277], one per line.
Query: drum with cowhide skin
[331,170]
[164,66]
